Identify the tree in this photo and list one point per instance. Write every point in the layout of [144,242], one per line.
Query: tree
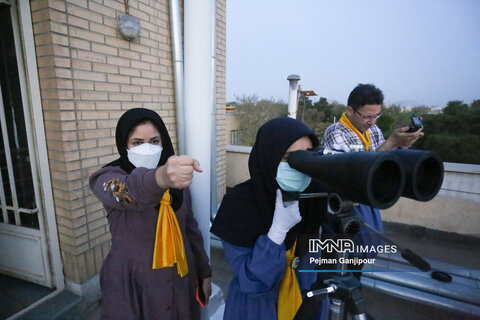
[321,104]
[314,120]
[475,106]
[332,111]
[453,133]
[455,108]
[386,123]
[252,113]
[422,110]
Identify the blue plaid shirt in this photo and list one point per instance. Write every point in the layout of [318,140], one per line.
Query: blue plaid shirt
[339,137]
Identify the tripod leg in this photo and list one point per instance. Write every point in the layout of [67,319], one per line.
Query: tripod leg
[337,311]
[337,308]
[355,304]
[315,307]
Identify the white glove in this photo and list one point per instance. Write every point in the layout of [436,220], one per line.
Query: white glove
[284,218]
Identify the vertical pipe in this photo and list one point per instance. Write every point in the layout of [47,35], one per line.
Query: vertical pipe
[198,105]
[293,96]
[177,55]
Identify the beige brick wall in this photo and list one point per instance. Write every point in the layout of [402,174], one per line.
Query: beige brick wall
[89,76]
[221,99]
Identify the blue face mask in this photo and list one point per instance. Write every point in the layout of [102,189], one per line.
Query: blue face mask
[290,179]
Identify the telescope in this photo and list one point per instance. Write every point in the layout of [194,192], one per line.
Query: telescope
[377,179]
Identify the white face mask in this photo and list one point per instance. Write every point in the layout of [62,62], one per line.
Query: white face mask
[145,155]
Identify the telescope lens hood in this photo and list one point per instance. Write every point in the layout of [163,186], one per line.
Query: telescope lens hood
[386,181]
[424,173]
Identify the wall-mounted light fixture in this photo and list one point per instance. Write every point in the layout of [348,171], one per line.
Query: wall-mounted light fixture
[128,25]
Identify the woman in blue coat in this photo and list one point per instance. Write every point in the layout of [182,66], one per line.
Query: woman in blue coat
[262,235]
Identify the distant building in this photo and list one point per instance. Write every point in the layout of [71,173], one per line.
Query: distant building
[435,110]
[233,130]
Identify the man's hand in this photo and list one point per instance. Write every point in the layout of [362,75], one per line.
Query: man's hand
[401,138]
[177,172]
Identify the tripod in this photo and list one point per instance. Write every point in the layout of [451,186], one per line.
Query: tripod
[344,289]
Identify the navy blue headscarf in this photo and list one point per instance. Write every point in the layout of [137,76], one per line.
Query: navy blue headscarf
[247,210]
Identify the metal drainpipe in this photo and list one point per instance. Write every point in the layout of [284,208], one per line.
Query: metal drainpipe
[213,188]
[177,53]
[293,95]
[198,105]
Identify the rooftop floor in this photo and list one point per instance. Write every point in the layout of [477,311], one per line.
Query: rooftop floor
[463,252]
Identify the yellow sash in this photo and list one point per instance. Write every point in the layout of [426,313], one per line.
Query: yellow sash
[169,248]
[367,143]
[289,297]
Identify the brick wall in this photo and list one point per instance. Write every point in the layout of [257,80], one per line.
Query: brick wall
[89,76]
[221,99]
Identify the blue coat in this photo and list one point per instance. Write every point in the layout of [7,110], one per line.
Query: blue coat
[257,273]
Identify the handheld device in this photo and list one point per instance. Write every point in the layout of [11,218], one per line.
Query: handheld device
[416,123]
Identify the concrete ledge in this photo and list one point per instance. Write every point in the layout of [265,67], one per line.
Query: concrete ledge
[238,149]
[53,308]
[90,287]
[462,167]
[216,300]
[473,240]
[215,241]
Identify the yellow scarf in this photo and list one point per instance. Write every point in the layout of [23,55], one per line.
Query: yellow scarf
[367,143]
[289,297]
[169,248]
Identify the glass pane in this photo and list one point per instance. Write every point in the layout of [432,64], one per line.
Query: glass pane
[4,170]
[23,178]
[29,220]
[11,217]
[13,110]
[1,213]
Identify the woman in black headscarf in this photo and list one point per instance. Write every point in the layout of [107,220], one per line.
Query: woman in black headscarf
[261,234]
[157,259]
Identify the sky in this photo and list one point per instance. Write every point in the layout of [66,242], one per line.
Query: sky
[418,52]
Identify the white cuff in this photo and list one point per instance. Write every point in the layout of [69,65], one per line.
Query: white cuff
[276,235]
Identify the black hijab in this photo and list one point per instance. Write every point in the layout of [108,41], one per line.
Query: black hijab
[127,122]
[247,210]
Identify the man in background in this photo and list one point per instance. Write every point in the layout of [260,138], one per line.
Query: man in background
[357,131]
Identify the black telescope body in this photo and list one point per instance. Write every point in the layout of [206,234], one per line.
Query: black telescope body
[374,178]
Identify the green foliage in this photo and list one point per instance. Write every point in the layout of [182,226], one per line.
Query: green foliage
[386,123]
[332,111]
[475,106]
[252,113]
[320,115]
[421,110]
[456,108]
[462,149]
[454,132]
